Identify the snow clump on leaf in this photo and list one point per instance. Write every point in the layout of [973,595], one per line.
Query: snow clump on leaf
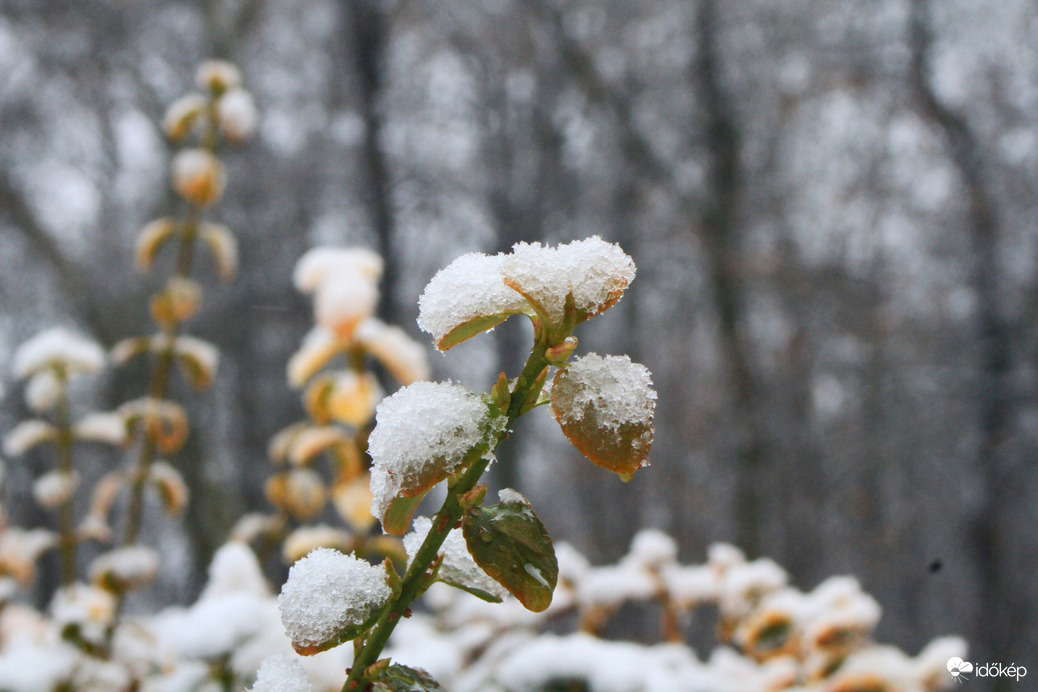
[281,673]
[605,406]
[466,297]
[329,598]
[423,433]
[594,271]
[475,292]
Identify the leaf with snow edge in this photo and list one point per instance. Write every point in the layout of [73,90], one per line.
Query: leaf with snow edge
[55,488]
[57,348]
[424,433]
[319,264]
[465,298]
[344,301]
[353,397]
[398,678]
[170,486]
[457,569]
[28,434]
[21,548]
[236,114]
[198,176]
[105,493]
[308,441]
[182,116]
[197,359]
[222,246]
[595,272]
[102,427]
[329,599]
[177,301]
[126,349]
[605,407]
[300,492]
[352,500]
[163,421]
[401,355]
[43,391]
[126,568]
[319,347]
[509,543]
[151,239]
[305,539]
[281,673]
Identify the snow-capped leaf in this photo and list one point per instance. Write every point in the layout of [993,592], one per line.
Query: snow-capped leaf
[509,543]
[281,673]
[300,492]
[223,246]
[151,239]
[329,599]
[177,301]
[319,346]
[27,435]
[197,359]
[594,272]
[465,298]
[163,421]
[605,407]
[424,433]
[125,350]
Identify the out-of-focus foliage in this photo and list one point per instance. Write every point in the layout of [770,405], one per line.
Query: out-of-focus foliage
[830,205]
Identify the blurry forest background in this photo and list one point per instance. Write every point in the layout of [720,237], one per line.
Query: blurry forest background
[831,205]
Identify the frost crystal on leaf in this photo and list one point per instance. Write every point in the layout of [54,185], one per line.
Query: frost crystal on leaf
[421,436]
[57,347]
[594,271]
[326,594]
[466,297]
[458,567]
[281,673]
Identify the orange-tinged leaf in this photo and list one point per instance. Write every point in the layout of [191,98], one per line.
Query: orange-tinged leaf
[605,407]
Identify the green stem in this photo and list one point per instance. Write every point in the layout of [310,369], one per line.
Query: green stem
[66,514]
[445,520]
[159,384]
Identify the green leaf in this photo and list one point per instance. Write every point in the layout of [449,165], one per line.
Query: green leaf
[397,517]
[510,544]
[398,678]
[469,329]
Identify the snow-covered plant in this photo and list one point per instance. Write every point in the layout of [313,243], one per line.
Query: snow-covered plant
[770,635]
[221,112]
[428,433]
[48,362]
[340,393]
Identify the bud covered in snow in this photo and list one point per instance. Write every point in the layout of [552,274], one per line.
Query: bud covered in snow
[198,176]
